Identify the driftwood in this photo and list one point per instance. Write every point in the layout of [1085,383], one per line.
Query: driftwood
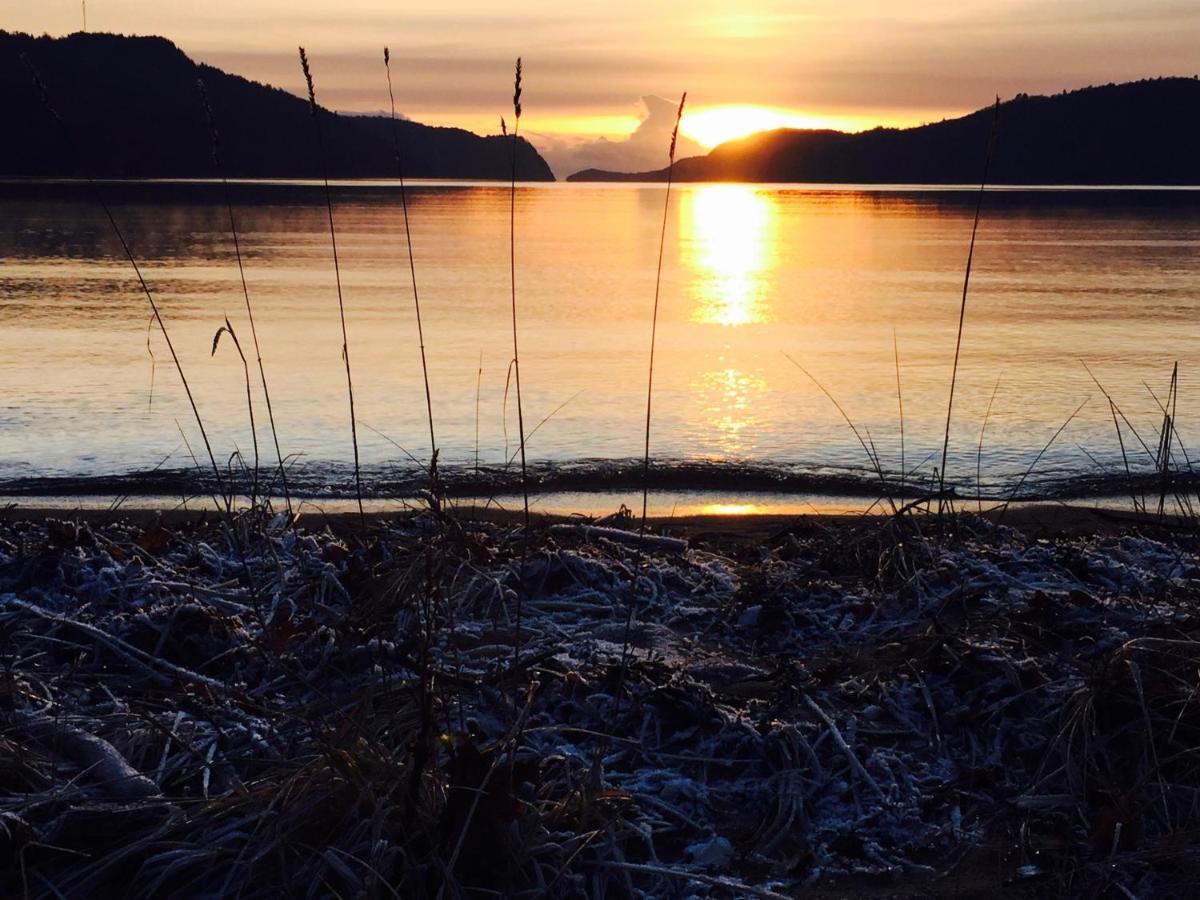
[651,542]
[101,762]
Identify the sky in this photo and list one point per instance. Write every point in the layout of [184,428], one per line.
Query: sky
[602,79]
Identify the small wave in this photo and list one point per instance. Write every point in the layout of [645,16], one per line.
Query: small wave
[316,480]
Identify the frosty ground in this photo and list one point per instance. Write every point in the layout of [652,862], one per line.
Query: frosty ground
[441,705]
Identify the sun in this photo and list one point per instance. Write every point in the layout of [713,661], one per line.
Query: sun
[717,124]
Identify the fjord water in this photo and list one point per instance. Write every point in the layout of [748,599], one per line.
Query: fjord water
[827,275]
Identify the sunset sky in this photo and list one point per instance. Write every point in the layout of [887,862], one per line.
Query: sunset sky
[746,65]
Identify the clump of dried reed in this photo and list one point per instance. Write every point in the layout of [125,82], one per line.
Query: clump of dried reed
[215,136]
[227,328]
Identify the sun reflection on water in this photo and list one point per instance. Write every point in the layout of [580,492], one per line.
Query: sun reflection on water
[725,231]
[727,401]
[730,509]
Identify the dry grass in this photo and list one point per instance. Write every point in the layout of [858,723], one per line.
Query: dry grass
[861,703]
[962,309]
[337,273]
[412,269]
[662,242]
[215,134]
[516,354]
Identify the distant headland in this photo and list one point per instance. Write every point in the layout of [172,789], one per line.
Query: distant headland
[1139,133]
[135,111]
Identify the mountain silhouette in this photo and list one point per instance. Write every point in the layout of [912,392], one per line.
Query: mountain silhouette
[133,110]
[1143,132]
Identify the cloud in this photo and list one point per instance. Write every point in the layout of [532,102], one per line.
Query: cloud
[643,150]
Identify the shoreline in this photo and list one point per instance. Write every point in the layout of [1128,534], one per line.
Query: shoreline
[1041,519]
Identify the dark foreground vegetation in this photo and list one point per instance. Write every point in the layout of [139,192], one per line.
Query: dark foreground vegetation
[1135,133]
[897,706]
[134,104]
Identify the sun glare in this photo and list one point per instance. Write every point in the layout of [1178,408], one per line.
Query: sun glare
[727,401]
[718,124]
[727,249]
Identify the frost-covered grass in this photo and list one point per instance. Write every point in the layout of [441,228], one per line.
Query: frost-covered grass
[247,709]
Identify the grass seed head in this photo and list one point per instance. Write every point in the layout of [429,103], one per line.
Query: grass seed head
[517,91]
[312,91]
[678,118]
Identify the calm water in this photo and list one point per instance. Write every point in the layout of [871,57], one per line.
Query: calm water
[827,276]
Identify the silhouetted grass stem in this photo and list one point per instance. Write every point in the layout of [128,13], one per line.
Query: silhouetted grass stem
[312,101]
[516,360]
[237,249]
[662,243]
[412,269]
[962,309]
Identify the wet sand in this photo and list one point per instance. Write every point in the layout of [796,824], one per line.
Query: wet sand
[1037,520]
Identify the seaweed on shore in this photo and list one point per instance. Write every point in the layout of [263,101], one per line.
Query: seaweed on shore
[856,708]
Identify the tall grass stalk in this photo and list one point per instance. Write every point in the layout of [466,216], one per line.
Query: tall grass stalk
[662,243]
[516,360]
[431,592]
[512,264]
[412,269]
[237,250]
[337,274]
[73,152]
[962,309]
